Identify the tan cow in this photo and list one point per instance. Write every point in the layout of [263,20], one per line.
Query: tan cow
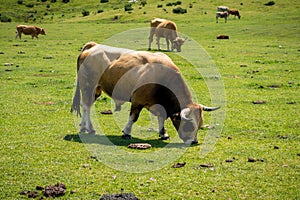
[167,29]
[147,80]
[29,30]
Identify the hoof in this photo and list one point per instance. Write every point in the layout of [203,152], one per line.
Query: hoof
[126,137]
[165,138]
[195,142]
[93,132]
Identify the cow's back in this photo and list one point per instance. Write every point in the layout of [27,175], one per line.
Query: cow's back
[140,73]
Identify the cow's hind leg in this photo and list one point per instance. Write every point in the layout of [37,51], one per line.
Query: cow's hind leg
[88,98]
[133,117]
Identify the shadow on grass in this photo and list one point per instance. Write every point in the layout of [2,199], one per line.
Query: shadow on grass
[111,140]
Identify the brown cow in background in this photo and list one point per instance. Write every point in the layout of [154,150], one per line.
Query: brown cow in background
[167,29]
[29,30]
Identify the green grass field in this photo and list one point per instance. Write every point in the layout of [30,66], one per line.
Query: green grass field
[39,141]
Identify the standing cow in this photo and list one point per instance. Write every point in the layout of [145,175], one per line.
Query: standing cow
[147,80]
[167,29]
[222,12]
[234,12]
[29,30]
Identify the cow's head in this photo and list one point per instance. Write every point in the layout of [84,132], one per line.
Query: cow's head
[189,121]
[42,31]
[177,43]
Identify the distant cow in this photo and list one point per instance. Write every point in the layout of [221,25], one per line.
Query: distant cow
[234,12]
[29,30]
[147,80]
[221,15]
[222,37]
[165,29]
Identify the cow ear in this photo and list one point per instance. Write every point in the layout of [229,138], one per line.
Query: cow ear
[175,116]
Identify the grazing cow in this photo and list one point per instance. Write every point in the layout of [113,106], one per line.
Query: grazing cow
[234,12]
[147,80]
[165,29]
[29,30]
[221,15]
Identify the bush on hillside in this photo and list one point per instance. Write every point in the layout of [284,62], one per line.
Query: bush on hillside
[5,19]
[20,1]
[29,5]
[128,7]
[179,10]
[85,13]
[143,2]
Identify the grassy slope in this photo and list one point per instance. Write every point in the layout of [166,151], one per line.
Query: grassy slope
[33,149]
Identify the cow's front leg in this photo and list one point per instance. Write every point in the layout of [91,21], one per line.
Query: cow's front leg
[161,127]
[134,115]
[157,42]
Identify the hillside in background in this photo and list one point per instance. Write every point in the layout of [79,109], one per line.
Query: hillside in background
[52,11]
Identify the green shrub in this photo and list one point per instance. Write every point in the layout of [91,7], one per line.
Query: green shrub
[100,11]
[30,5]
[179,10]
[104,1]
[85,13]
[159,5]
[143,2]
[128,7]
[20,1]
[65,1]
[5,19]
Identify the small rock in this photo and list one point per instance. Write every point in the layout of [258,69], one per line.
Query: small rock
[124,196]
[107,112]
[139,146]
[39,187]
[282,136]
[23,192]
[85,165]
[259,102]
[48,57]
[206,165]
[179,165]
[32,194]
[291,102]
[274,86]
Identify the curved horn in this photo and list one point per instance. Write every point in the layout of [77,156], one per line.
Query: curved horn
[184,113]
[205,108]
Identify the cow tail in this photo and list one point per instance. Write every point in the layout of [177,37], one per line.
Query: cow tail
[77,96]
